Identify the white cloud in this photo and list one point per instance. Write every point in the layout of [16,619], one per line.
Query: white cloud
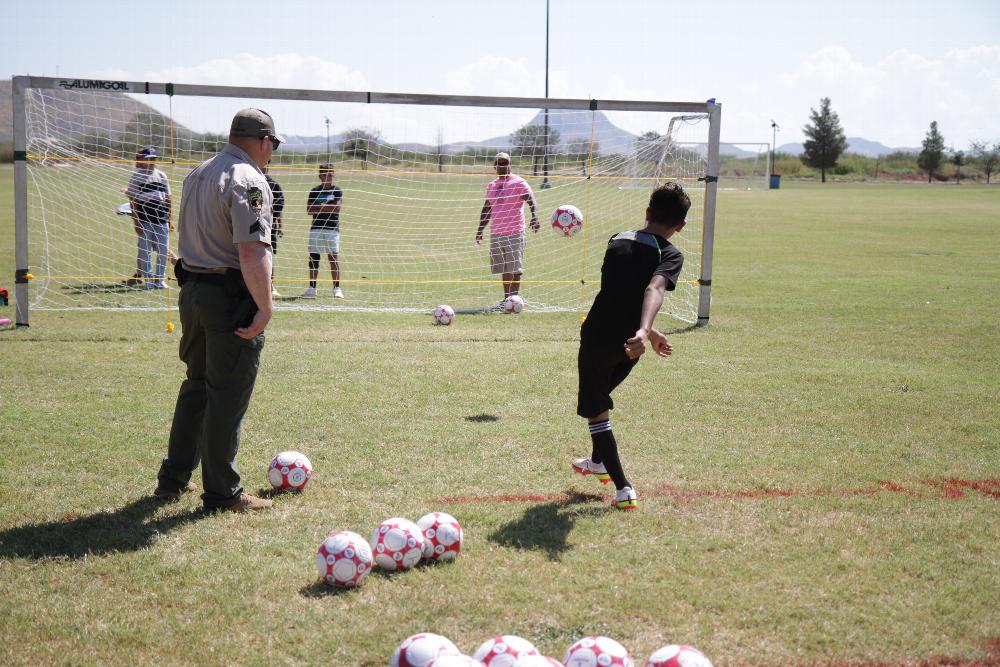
[894,99]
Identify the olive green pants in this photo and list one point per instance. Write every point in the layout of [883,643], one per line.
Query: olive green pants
[221,371]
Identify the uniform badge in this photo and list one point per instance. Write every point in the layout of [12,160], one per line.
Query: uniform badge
[256,199]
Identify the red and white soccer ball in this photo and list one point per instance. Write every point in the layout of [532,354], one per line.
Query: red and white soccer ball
[597,652]
[448,660]
[444,315]
[421,649]
[513,304]
[398,544]
[443,536]
[678,655]
[503,651]
[567,220]
[344,559]
[289,471]
[531,660]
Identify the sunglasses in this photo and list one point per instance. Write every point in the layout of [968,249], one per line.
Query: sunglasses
[274,142]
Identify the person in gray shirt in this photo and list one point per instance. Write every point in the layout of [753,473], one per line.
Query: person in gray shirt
[224,234]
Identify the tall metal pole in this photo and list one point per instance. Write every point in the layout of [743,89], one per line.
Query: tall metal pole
[774,146]
[327,138]
[545,158]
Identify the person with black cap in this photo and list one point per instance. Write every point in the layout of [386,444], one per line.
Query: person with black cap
[224,230]
[148,194]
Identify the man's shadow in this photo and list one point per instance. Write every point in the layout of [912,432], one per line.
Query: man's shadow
[123,529]
[546,527]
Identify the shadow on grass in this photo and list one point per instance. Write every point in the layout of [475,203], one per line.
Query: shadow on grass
[546,527]
[320,589]
[481,418]
[123,529]
[92,288]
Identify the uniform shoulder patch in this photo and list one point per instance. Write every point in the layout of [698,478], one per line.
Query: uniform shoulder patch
[255,197]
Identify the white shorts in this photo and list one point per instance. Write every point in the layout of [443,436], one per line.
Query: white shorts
[324,240]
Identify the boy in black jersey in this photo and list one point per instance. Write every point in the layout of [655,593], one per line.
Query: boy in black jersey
[638,267]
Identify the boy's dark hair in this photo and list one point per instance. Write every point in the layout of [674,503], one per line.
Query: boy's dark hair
[326,166]
[669,204]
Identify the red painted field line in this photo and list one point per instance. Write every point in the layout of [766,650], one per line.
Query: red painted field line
[948,488]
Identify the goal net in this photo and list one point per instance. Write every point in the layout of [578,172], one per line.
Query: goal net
[413,171]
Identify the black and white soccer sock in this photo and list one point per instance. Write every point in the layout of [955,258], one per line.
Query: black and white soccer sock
[606,451]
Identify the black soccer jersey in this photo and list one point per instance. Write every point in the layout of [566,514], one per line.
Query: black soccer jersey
[630,262]
[324,195]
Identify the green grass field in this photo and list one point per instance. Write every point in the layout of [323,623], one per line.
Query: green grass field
[818,470]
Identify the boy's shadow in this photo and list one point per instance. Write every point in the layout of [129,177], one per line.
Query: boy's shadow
[546,527]
[123,529]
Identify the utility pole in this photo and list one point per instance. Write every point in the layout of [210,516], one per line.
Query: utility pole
[774,147]
[327,119]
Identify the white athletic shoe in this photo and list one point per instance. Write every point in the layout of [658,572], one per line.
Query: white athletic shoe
[275,293]
[337,293]
[625,499]
[584,466]
[155,284]
[310,293]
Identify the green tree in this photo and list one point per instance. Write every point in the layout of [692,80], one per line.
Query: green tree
[361,143]
[988,156]
[958,159]
[530,141]
[933,151]
[825,141]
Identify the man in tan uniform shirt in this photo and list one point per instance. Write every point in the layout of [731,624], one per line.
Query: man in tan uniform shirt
[224,235]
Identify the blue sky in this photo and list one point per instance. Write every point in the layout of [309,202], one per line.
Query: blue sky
[889,67]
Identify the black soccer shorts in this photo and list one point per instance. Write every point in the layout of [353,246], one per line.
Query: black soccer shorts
[602,367]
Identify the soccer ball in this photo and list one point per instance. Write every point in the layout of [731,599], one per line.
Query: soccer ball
[444,315]
[398,544]
[532,660]
[344,559]
[460,660]
[513,304]
[503,651]
[597,652]
[289,470]
[443,536]
[678,655]
[421,649]
[567,220]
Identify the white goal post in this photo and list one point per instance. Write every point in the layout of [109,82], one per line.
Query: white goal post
[413,170]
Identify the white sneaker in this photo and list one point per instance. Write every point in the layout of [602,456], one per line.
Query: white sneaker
[337,293]
[275,293]
[155,284]
[310,293]
[584,466]
[625,499]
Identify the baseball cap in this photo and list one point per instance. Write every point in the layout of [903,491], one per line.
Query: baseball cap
[254,123]
[148,152]
[501,156]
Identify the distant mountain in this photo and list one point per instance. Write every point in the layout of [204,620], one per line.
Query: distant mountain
[572,126]
[856,145]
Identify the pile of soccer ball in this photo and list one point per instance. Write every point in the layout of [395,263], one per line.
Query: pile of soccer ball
[345,558]
[430,650]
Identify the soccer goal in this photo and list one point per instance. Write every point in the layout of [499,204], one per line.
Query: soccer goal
[413,170]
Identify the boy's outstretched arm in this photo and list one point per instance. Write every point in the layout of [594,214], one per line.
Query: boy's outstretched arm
[651,301]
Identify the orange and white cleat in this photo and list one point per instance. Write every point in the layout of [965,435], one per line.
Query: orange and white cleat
[584,466]
[625,499]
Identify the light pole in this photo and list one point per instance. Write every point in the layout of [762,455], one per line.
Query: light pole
[327,119]
[545,155]
[774,146]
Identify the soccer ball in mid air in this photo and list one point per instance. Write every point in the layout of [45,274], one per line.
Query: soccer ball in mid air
[597,652]
[421,649]
[398,544]
[513,304]
[289,471]
[504,650]
[444,315]
[567,220]
[344,559]
[678,655]
[443,536]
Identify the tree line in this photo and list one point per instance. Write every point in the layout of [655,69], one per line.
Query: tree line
[825,143]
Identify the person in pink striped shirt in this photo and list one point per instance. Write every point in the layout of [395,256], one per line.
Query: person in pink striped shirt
[503,210]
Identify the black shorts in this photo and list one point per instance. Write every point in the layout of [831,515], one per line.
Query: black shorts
[274,243]
[602,366]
